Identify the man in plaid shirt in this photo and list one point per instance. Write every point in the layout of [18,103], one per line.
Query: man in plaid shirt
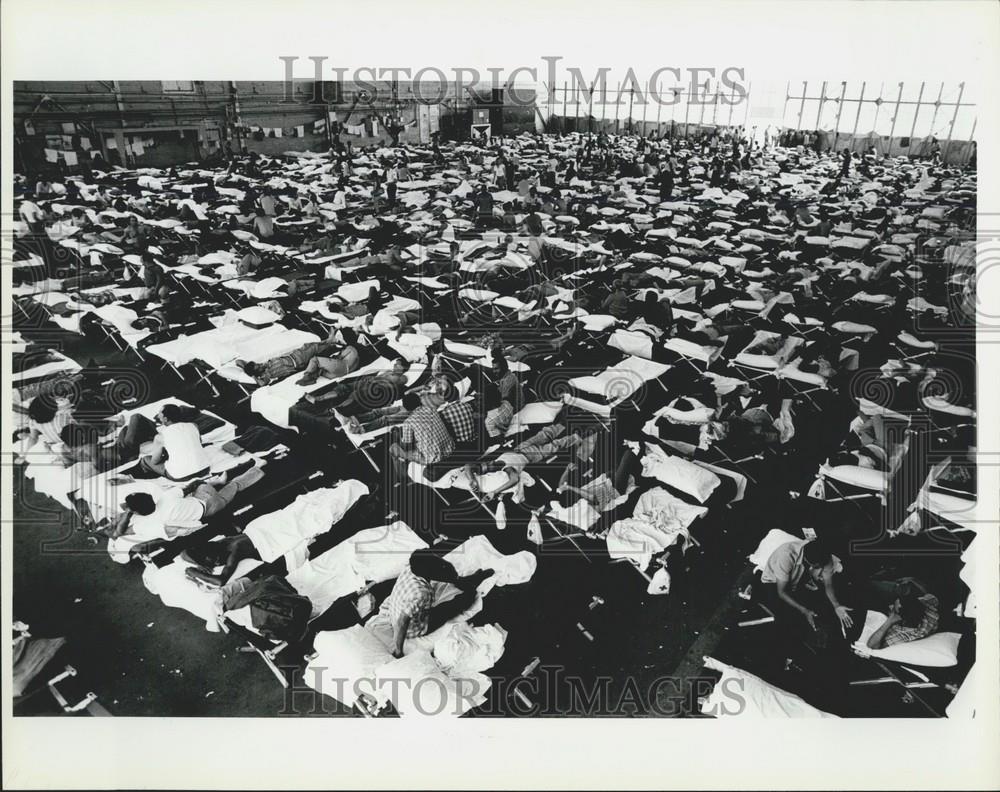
[913,615]
[411,605]
[423,436]
[460,418]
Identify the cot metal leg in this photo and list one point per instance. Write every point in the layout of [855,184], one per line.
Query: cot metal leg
[85,703]
[569,538]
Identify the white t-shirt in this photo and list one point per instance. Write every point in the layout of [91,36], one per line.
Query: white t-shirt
[30,212]
[185,454]
[179,511]
[172,509]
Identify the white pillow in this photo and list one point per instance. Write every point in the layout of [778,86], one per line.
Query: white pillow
[939,650]
[256,316]
[681,475]
[598,322]
[697,415]
[857,476]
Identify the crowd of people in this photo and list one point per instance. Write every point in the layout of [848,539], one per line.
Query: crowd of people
[614,344]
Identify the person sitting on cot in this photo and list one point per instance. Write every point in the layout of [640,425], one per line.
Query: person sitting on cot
[411,606]
[177,452]
[423,438]
[154,279]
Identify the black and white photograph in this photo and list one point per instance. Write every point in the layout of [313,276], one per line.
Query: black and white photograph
[474,369]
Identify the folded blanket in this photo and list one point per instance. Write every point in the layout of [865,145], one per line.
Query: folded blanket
[658,521]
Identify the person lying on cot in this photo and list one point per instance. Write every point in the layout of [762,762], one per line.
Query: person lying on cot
[180,509]
[549,442]
[615,472]
[387,264]
[317,357]
[748,432]
[372,304]
[47,416]
[778,347]
[226,553]
[538,346]
[912,612]
[411,605]
[435,393]
[328,358]
[355,395]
